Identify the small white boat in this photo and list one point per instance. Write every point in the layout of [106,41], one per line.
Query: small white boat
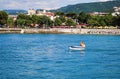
[76,48]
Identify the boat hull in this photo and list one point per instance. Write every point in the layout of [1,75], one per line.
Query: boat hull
[76,48]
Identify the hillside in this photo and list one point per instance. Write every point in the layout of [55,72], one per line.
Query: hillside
[91,7]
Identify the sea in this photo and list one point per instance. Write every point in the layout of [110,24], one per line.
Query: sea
[47,56]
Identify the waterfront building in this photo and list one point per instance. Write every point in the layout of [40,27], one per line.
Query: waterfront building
[41,12]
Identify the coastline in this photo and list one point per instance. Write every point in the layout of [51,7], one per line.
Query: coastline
[59,31]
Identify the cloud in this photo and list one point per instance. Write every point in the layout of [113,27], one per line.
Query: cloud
[27,4]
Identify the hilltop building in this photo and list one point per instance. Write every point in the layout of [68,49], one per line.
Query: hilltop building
[116,11]
[99,13]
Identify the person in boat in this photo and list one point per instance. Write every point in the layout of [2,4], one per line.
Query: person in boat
[82,44]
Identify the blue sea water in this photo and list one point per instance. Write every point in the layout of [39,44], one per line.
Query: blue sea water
[46,56]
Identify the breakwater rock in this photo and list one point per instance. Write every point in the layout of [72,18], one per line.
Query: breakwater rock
[61,30]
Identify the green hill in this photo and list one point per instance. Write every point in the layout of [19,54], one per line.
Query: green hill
[91,7]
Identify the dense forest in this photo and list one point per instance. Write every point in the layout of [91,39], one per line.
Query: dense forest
[65,19]
[90,7]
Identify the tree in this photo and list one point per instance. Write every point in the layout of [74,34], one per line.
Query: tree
[72,15]
[21,23]
[21,16]
[101,20]
[83,17]
[28,22]
[57,22]
[94,21]
[59,14]
[108,19]
[70,22]
[3,17]
[25,20]
[44,21]
[10,22]
[62,18]
[35,19]
[116,21]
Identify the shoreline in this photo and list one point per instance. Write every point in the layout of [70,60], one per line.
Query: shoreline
[60,31]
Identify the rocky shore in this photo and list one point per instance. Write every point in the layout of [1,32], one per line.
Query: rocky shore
[61,31]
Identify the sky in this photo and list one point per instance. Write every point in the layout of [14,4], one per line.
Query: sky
[41,4]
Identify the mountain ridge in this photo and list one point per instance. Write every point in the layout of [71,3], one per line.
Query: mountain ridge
[80,7]
[90,7]
[14,11]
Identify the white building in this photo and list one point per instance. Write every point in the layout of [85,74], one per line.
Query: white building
[31,12]
[116,11]
[41,12]
[99,13]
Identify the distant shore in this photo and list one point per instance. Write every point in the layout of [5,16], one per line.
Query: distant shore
[60,31]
